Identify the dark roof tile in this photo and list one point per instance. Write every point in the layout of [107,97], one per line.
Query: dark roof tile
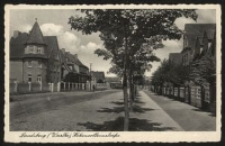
[17,45]
[194,30]
[52,44]
[36,36]
[210,33]
[175,58]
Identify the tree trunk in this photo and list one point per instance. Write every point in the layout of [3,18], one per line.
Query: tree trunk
[126,108]
[131,83]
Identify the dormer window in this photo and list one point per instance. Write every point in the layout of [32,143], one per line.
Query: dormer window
[209,45]
[31,49]
[39,50]
[40,64]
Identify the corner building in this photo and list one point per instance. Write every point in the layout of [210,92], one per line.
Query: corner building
[32,59]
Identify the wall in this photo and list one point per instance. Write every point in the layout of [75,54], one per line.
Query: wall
[53,71]
[23,87]
[16,70]
[34,70]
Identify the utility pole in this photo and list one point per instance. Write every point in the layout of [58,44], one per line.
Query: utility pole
[90,76]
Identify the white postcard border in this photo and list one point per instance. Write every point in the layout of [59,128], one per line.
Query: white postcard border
[186,136]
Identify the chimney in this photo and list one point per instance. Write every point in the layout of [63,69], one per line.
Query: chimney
[63,50]
[16,33]
[75,55]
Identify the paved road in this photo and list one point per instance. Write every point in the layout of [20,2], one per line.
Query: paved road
[60,111]
[187,116]
[104,111]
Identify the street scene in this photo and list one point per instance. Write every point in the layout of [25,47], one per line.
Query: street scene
[104,111]
[113,70]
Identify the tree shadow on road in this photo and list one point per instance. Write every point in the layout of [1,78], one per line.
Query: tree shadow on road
[117,125]
[117,102]
[136,109]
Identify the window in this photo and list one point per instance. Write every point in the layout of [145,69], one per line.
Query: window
[38,50]
[39,64]
[29,78]
[29,63]
[209,46]
[31,49]
[198,93]
[39,78]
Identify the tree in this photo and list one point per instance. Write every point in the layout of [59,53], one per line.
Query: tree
[170,73]
[204,69]
[126,33]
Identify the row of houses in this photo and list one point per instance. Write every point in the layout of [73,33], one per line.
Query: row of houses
[38,58]
[199,41]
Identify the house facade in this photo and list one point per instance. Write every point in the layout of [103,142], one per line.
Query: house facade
[193,35]
[28,51]
[73,70]
[37,58]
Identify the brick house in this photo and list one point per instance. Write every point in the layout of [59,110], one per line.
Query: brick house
[192,32]
[72,68]
[33,57]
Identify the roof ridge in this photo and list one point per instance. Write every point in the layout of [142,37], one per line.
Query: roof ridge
[35,35]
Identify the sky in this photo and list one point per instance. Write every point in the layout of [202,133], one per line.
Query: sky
[54,22]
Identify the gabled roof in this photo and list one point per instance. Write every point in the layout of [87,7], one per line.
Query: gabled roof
[200,40]
[210,33]
[186,49]
[198,29]
[36,36]
[175,58]
[17,45]
[75,60]
[63,61]
[52,45]
[72,58]
[193,30]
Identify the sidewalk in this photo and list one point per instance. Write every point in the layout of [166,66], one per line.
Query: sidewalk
[151,116]
[187,116]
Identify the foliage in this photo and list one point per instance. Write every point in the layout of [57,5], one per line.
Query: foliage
[204,69]
[130,36]
[170,72]
[144,30]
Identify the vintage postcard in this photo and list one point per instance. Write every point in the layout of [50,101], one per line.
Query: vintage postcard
[112,73]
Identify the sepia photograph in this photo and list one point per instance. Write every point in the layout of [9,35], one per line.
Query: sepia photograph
[112,73]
